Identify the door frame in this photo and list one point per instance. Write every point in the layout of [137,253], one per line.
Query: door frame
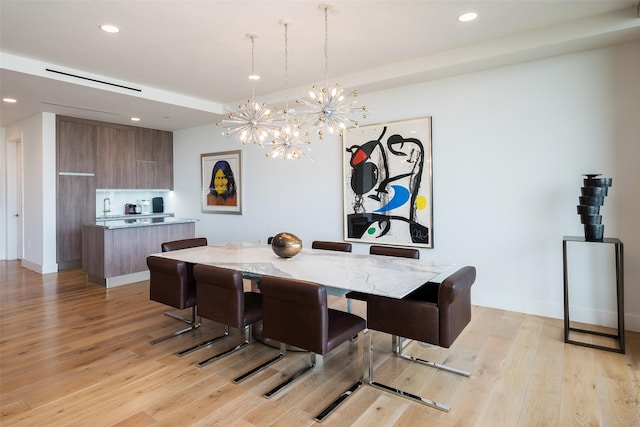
[15,196]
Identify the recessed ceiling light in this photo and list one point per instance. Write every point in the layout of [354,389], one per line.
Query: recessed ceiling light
[10,100]
[135,119]
[254,77]
[466,17]
[107,28]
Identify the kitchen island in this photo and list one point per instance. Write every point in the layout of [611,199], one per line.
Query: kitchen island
[115,252]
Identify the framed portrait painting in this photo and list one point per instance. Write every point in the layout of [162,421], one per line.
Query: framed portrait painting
[221,183]
[387,183]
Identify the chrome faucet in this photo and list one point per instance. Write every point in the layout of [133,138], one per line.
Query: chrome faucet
[106,205]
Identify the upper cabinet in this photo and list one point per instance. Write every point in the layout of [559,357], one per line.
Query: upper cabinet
[154,159]
[116,162]
[154,145]
[122,157]
[76,146]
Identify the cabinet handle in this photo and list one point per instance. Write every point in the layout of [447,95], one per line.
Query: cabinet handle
[76,174]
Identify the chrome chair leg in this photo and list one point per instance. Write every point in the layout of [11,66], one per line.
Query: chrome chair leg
[292,378]
[245,342]
[177,317]
[399,392]
[400,343]
[192,322]
[339,401]
[203,344]
[351,390]
[410,396]
[435,365]
[259,368]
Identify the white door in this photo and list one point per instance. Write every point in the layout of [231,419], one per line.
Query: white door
[19,205]
[14,200]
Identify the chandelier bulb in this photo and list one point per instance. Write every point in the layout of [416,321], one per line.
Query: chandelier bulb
[328,108]
[252,121]
[286,142]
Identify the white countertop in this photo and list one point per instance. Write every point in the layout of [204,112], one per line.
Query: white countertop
[117,217]
[141,221]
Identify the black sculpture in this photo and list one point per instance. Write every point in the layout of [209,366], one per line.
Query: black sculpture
[592,197]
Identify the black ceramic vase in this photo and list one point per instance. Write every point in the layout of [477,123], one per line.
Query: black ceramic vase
[593,192]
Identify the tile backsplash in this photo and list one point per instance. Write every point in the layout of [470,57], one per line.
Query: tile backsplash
[118,198]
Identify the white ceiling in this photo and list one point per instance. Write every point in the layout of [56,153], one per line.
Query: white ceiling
[187,59]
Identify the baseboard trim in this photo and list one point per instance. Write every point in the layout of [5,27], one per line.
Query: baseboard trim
[125,279]
[607,318]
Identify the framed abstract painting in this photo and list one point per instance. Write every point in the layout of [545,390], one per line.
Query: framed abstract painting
[221,183]
[387,183]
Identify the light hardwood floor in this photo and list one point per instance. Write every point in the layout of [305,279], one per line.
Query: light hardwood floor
[76,354]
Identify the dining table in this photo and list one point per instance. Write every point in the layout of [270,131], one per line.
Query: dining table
[339,272]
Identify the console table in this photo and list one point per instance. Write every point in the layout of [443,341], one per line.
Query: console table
[619,292]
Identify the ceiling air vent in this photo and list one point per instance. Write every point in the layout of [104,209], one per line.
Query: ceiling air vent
[93,80]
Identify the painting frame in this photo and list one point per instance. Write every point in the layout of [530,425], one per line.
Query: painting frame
[225,196]
[388,183]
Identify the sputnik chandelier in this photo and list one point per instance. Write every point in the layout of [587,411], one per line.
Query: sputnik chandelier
[251,122]
[329,108]
[289,139]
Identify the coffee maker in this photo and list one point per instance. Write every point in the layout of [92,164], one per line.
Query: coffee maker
[145,206]
[130,208]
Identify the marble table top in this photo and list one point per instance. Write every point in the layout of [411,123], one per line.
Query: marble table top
[373,274]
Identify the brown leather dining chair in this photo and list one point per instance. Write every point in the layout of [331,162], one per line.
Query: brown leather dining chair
[382,250]
[434,314]
[170,289]
[331,246]
[169,284]
[394,251]
[185,244]
[221,298]
[338,247]
[296,313]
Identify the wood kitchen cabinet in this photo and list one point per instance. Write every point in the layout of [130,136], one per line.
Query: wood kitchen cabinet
[117,254]
[76,146]
[116,157]
[154,159]
[76,187]
[76,206]
[94,155]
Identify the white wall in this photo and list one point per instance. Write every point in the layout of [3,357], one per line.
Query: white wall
[509,148]
[37,134]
